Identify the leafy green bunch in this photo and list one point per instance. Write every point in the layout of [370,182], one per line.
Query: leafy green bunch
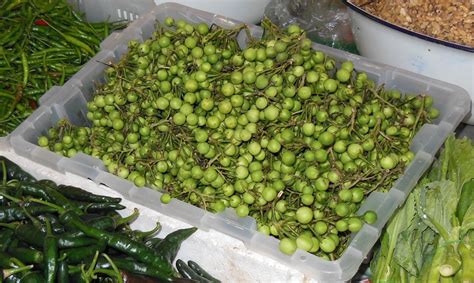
[431,238]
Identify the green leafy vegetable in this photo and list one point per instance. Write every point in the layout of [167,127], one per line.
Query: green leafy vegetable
[383,266]
[438,202]
[468,221]
[431,237]
[465,200]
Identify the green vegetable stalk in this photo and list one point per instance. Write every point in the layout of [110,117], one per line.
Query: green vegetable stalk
[467,254]
[434,272]
[452,262]
[466,199]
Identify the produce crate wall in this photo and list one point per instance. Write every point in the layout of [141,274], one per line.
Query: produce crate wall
[112,10]
[70,103]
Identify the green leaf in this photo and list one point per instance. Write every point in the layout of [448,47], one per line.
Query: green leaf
[437,205]
[461,165]
[385,267]
[465,199]
[378,262]
[468,221]
[425,268]
[411,245]
[408,241]
[468,238]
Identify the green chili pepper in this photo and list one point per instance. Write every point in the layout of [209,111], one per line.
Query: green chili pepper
[169,247]
[27,255]
[50,252]
[63,76]
[78,194]
[15,278]
[33,277]
[121,243]
[12,271]
[30,234]
[107,223]
[3,201]
[106,30]
[24,62]
[33,92]
[67,69]
[90,39]
[90,217]
[15,213]
[103,223]
[42,29]
[48,194]
[153,242]
[189,273]
[34,189]
[52,51]
[201,272]
[132,266]
[74,242]
[6,260]
[13,171]
[13,5]
[9,35]
[75,41]
[63,272]
[132,277]
[97,207]
[50,5]
[6,236]
[143,235]
[77,255]
[53,220]
[34,236]
[47,183]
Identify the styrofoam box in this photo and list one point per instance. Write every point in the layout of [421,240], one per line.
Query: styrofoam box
[452,101]
[222,256]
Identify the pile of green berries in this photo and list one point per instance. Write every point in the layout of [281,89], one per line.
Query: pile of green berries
[278,131]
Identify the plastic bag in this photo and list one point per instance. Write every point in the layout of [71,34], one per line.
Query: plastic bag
[325,21]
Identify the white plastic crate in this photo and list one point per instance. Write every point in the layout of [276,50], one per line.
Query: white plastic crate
[465,130]
[112,10]
[452,101]
[250,11]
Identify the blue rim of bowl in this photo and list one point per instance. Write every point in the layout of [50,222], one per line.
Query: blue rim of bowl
[407,31]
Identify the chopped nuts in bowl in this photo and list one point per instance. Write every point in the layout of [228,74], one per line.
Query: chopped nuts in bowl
[449,20]
[433,38]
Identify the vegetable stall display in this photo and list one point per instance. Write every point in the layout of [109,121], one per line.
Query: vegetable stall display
[431,237]
[42,44]
[277,130]
[59,233]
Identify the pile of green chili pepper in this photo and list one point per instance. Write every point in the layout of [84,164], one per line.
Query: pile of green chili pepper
[58,233]
[42,44]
